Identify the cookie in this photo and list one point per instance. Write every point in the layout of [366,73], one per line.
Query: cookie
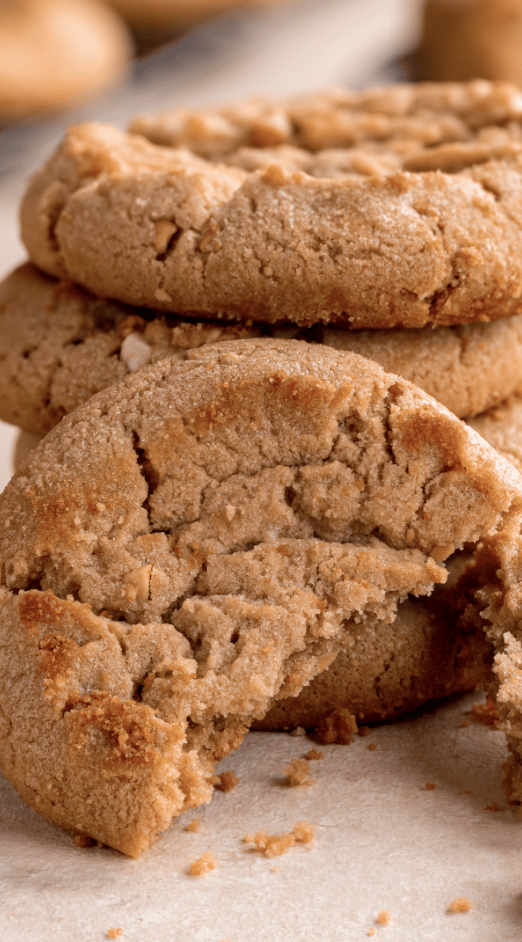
[383,671]
[174,15]
[59,345]
[53,52]
[463,39]
[194,543]
[394,207]
[502,428]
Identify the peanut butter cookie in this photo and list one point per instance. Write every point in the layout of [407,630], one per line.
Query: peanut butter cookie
[392,207]
[60,344]
[53,52]
[194,543]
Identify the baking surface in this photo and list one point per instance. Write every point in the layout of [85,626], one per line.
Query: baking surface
[383,840]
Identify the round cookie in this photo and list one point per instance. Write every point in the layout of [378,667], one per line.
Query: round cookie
[174,15]
[394,207]
[463,39]
[175,555]
[59,345]
[502,428]
[53,52]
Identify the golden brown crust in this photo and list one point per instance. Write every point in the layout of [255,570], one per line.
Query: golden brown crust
[427,231]
[176,554]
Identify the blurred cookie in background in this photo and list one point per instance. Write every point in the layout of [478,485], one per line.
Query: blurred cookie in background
[467,39]
[156,21]
[54,52]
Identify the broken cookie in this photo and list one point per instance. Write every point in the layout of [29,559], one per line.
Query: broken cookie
[194,543]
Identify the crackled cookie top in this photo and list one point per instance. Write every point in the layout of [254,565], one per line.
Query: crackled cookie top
[193,543]
[394,207]
[60,344]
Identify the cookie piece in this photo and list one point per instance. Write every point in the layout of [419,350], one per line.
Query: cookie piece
[463,39]
[382,671]
[398,207]
[59,345]
[196,541]
[502,428]
[53,52]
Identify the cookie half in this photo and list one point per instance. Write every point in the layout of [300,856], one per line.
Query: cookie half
[194,543]
[60,344]
[395,207]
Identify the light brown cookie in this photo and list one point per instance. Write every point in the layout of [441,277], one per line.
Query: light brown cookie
[502,428]
[196,541]
[53,52]
[383,671]
[173,15]
[59,345]
[398,207]
[467,39]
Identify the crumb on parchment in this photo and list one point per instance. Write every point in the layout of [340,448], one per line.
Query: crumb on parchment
[338,727]
[194,826]
[429,786]
[385,917]
[298,772]
[227,781]
[314,755]
[273,845]
[114,933]
[460,905]
[202,865]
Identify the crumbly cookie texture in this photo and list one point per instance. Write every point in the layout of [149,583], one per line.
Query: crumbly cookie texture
[60,344]
[196,541]
[396,207]
[382,671]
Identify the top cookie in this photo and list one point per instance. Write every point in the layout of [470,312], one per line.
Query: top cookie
[398,207]
[276,493]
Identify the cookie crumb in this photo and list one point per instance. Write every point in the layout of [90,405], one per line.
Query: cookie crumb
[194,826]
[385,917]
[460,905]
[227,781]
[493,806]
[314,755]
[303,832]
[372,747]
[464,723]
[273,845]
[298,731]
[429,786]
[371,931]
[363,731]
[486,713]
[83,840]
[298,773]
[338,727]
[202,865]
[114,933]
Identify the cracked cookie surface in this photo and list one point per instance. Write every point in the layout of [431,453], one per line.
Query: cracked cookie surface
[193,544]
[59,345]
[394,207]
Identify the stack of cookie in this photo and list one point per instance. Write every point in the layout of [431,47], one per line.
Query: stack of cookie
[247,510]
